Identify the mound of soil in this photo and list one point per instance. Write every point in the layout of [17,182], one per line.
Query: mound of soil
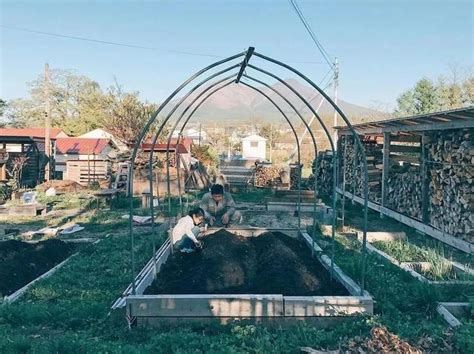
[21,262]
[62,186]
[272,263]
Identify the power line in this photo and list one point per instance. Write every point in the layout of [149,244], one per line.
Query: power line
[305,23]
[129,45]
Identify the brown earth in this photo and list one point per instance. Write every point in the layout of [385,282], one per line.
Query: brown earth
[21,262]
[62,186]
[272,263]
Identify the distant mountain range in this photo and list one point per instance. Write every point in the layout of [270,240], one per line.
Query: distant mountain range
[237,102]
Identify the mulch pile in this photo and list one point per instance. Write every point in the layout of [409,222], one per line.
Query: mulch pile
[272,263]
[381,341]
[21,262]
[62,186]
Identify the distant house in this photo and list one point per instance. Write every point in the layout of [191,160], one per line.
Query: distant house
[195,135]
[254,147]
[84,160]
[183,149]
[29,142]
[103,134]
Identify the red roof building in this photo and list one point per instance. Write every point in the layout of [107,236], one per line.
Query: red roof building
[81,146]
[38,133]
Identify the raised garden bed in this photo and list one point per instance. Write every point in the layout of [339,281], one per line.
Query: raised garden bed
[456,313]
[258,276]
[22,262]
[424,264]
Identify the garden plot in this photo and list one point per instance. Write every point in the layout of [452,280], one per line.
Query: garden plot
[425,264]
[22,262]
[267,277]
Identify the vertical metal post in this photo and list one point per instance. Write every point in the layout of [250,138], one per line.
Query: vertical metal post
[385,169]
[47,124]
[334,212]
[424,180]
[355,171]
[336,84]
[344,158]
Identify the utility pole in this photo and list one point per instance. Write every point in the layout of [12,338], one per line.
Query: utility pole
[47,125]
[200,130]
[336,84]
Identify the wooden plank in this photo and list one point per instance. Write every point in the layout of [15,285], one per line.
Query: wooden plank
[206,305]
[405,149]
[424,228]
[405,138]
[327,305]
[373,236]
[448,317]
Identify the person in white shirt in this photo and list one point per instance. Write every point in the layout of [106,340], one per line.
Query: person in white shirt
[187,230]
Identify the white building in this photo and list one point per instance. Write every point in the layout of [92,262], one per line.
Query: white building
[102,134]
[254,147]
[194,134]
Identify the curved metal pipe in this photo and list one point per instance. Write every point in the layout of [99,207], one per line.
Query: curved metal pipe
[176,124]
[161,129]
[328,135]
[299,164]
[361,147]
[137,146]
[256,89]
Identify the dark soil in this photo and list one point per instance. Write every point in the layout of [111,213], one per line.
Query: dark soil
[272,263]
[21,262]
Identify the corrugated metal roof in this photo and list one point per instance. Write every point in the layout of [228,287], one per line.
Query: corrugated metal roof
[452,119]
[29,132]
[80,146]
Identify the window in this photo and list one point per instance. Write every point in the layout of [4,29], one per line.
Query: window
[254,144]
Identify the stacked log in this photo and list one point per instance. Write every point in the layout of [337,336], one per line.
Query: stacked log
[354,169]
[324,165]
[295,176]
[450,162]
[404,190]
[267,176]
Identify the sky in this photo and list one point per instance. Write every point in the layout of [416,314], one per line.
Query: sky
[383,47]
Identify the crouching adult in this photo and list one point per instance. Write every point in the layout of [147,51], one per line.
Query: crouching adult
[186,232]
[219,207]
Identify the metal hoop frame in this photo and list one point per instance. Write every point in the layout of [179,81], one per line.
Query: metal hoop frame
[243,65]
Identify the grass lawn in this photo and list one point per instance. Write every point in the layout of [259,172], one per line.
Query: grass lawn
[70,311]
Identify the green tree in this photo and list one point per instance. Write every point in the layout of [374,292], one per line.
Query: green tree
[425,96]
[126,115]
[271,133]
[77,103]
[449,92]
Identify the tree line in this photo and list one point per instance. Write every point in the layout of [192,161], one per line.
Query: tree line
[447,92]
[78,105]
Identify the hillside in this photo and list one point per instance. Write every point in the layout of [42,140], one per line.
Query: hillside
[237,102]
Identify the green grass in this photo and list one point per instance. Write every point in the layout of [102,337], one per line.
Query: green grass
[441,268]
[70,311]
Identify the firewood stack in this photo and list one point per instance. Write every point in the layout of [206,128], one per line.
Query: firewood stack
[355,175]
[404,190]
[325,173]
[295,174]
[450,156]
[267,176]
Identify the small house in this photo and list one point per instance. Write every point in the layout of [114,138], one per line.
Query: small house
[84,160]
[254,147]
